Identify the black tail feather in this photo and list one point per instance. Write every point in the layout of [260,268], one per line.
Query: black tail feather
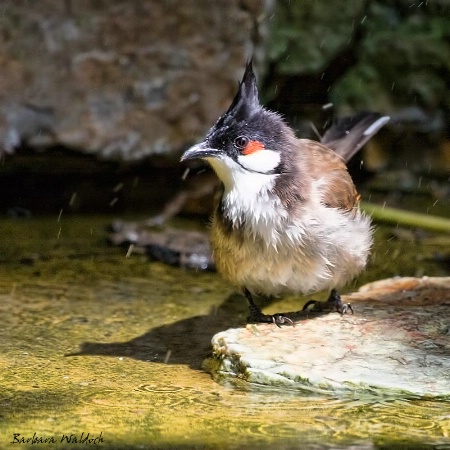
[347,135]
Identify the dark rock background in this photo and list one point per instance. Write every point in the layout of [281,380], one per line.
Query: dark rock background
[99,98]
[120,79]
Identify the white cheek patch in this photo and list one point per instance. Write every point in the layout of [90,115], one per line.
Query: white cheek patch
[236,178]
[262,161]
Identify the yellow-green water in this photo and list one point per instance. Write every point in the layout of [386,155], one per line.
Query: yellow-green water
[94,342]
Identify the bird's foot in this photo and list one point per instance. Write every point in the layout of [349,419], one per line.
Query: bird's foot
[334,303]
[257,316]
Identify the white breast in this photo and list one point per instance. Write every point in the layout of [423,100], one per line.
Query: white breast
[272,253]
[269,251]
[248,199]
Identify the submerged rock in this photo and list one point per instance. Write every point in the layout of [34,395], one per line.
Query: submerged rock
[176,247]
[398,341]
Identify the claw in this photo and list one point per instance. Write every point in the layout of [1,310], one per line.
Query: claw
[256,316]
[279,320]
[345,308]
[333,303]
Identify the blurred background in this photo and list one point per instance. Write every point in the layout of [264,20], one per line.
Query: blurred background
[98,99]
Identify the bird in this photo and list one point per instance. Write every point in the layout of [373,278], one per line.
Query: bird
[286,218]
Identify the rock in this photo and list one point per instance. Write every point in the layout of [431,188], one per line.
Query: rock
[122,79]
[398,341]
[176,247]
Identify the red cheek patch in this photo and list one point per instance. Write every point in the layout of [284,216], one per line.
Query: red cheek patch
[252,147]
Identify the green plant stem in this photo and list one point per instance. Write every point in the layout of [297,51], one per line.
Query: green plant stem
[406,218]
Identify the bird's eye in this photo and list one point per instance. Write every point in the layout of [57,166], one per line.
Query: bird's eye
[241,141]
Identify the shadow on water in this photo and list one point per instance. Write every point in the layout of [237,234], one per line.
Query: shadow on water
[187,341]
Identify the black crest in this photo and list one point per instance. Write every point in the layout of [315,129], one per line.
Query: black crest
[246,100]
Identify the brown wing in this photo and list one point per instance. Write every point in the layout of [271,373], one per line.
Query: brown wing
[307,164]
[335,185]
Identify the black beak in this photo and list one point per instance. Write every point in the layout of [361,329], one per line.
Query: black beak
[200,151]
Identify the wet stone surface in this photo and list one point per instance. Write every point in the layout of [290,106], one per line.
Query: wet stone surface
[398,340]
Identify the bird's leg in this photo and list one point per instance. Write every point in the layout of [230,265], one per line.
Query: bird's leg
[257,316]
[334,303]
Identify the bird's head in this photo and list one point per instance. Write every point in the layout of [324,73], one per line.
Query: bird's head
[246,139]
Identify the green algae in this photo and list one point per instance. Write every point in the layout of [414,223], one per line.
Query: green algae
[96,342]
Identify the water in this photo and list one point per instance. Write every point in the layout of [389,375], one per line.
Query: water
[96,342]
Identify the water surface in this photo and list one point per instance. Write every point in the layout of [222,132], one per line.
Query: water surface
[96,342]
